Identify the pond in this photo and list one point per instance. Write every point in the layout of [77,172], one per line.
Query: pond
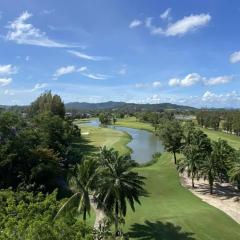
[143,144]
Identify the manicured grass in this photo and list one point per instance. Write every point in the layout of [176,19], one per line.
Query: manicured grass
[233,140]
[171,212]
[98,137]
[133,123]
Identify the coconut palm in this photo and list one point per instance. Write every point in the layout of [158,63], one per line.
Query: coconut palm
[234,171]
[119,185]
[82,182]
[196,148]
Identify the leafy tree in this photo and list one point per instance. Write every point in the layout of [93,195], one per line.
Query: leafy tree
[105,118]
[24,215]
[171,134]
[48,103]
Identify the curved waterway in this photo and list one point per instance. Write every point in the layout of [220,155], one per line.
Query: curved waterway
[143,144]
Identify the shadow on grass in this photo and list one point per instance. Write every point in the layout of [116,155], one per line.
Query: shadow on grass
[85,146]
[158,231]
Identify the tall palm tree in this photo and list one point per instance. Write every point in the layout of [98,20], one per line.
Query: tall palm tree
[119,185]
[196,148]
[82,182]
[191,162]
[215,166]
[234,171]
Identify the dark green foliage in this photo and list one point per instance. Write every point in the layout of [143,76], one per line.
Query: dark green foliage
[171,133]
[35,153]
[48,103]
[30,217]
[118,185]
[105,118]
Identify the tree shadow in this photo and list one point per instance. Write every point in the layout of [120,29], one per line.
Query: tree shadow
[85,146]
[158,231]
[224,190]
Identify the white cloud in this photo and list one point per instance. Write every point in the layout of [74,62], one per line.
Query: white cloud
[25,33]
[235,57]
[63,71]
[87,57]
[135,23]
[187,81]
[27,58]
[7,69]
[5,81]
[156,84]
[187,24]
[83,70]
[96,76]
[218,80]
[166,14]
[39,86]
[180,27]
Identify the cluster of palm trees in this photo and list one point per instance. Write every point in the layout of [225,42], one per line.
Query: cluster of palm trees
[110,180]
[215,161]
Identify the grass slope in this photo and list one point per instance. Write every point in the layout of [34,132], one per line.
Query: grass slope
[98,137]
[133,123]
[171,212]
[233,140]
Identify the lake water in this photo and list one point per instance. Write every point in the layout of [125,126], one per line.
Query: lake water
[143,144]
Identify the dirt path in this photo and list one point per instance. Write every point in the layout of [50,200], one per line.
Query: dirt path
[100,215]
[224,197]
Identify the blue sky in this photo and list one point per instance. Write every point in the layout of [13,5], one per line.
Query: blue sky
[148,51]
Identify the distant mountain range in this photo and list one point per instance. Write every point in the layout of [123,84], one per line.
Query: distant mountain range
[124,106]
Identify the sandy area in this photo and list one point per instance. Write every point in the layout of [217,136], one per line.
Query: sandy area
[225,197]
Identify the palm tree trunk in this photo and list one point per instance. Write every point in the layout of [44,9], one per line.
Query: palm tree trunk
[84,214]
[210,179]
[238,184]
[116,219]
[193,186]
[175,158]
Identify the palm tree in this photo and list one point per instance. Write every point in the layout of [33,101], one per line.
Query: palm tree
[191,162]
[234,171]
[82,182]
[196,148]
[216,165]
[119,185]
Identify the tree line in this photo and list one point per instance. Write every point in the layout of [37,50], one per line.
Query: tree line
[215,161]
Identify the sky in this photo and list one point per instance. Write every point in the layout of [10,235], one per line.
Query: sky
[143,51]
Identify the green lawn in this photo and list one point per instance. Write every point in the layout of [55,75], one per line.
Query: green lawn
[133,123]
[171,212]
[233,140]
[98,137]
